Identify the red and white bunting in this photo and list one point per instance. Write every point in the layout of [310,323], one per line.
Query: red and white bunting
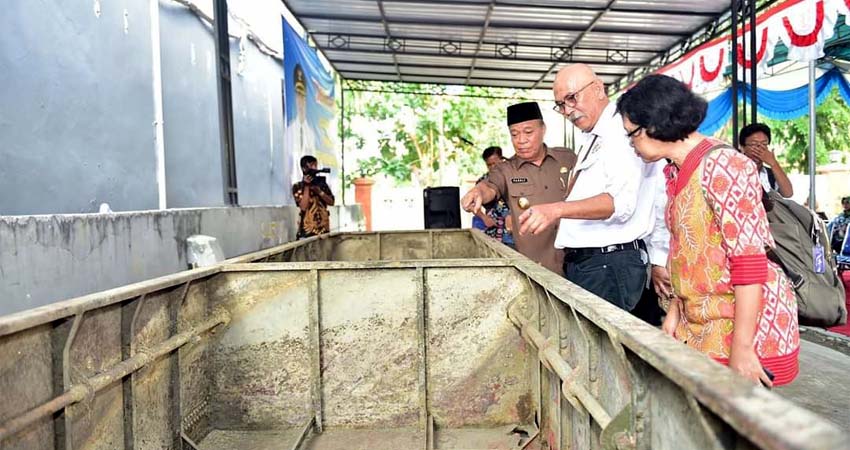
[802,25]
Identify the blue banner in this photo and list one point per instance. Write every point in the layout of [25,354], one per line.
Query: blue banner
[309,92]
[780,105]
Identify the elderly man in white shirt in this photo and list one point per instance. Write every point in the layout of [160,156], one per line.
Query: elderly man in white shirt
[612,202]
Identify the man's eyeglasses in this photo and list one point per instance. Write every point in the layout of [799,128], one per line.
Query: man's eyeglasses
[570,100]
[755,144]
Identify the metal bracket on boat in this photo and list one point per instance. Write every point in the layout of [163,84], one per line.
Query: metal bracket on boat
[188,441]
[570,387]
[619,435]
[637,420]
[429,434]
[305,430]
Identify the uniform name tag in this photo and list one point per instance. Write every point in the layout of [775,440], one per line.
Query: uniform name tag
[519,180]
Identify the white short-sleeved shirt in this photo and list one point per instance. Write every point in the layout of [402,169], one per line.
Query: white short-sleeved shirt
[608,164]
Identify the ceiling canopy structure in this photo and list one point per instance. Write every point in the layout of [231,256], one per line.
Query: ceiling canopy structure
[503,43]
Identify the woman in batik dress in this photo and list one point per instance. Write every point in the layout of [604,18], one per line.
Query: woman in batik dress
[730,302]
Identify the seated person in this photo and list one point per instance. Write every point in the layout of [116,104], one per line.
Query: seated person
[838,226]
[754,142]
[494,218]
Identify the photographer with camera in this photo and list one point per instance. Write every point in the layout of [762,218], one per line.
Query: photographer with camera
[313,196]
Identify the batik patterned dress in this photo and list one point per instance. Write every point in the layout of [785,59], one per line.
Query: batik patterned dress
[719,233]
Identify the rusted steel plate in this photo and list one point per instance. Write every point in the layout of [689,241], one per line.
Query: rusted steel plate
[479,369]
[96,424]
[455,246]
[26,381]
[150,389]
[259,369]
[369,338]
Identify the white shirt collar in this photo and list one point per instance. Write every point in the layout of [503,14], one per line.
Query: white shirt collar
[608,120]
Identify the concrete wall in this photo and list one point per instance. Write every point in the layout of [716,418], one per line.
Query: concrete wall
[259,129]
[77,107]
[45,259]
[190,110]
[77,125]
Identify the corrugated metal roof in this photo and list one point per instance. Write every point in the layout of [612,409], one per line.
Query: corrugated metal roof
[508,43]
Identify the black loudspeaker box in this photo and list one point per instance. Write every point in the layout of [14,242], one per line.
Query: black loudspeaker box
[442,207]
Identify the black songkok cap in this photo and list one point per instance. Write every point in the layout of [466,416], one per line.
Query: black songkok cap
[523,112]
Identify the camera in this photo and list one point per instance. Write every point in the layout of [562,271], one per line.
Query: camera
[317,180]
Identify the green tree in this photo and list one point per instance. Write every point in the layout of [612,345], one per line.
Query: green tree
[833,121]
[420,134]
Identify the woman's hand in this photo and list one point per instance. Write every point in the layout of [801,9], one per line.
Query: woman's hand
[743,359]
[671,321]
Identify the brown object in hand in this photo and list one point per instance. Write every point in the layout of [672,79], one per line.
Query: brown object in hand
[523,203]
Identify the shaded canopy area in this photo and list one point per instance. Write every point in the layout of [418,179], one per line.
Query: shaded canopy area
[503,43]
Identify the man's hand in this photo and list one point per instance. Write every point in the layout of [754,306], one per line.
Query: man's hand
[307,180]
[489,222]
[661,281]
[763,154]
[472,201]
[539,218]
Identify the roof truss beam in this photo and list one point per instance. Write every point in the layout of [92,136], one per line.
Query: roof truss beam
[344,41]
[481,37]
[577,40]
[514,57]
[447,67]
[389,38]
[572,7]
[477,24]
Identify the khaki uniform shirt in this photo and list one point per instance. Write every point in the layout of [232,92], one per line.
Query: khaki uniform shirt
[515,179]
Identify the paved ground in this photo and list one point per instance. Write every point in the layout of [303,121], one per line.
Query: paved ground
[823,385]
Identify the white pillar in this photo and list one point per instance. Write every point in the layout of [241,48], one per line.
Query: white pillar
[159,135]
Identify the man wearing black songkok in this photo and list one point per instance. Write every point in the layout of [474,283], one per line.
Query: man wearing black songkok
[535,175]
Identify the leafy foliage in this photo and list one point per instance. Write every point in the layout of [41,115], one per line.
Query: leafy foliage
[420,134]
[833,121]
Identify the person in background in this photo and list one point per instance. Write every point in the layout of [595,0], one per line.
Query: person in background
[754,141]
[838,226]
[313,196]
[494,218]
[729,302]
[536,174]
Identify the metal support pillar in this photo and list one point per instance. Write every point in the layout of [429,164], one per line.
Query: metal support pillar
[751,12]
[225,103]
[735,8]
[812,136]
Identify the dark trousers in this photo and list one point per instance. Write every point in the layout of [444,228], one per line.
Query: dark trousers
[647,308]
[618,277]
